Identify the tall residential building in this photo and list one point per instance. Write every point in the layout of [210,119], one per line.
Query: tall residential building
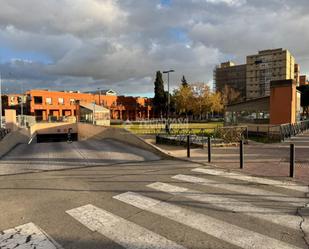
[232,75]
[268,65]
[252,80]
[303,80]
[297,74]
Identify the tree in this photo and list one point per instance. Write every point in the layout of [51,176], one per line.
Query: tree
[183,98]
[184,82]
[201,103]
[159,96]
[216,104]
[229,95]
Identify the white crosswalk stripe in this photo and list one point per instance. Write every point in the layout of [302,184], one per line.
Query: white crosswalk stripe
[253,179]
[224,231]
[247,190]
[25,237]
[230,204]
[121,231]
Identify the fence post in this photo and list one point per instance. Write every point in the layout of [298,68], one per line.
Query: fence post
[241,154]
[188,146]
[209,149]
[292,160]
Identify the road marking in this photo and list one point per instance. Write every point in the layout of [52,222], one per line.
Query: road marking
[254,179]
[244,189]
[229,233]
[123,232]
[26,236]
[234,205]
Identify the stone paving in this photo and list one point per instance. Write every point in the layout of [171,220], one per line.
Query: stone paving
[260,159]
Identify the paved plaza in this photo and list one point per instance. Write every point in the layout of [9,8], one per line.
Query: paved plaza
[268,160]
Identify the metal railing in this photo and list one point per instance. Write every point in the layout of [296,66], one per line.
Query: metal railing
[198,137]
[232,134]
[3,133]
[289,130]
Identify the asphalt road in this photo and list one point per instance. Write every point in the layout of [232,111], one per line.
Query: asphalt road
[56,156]
[143,203]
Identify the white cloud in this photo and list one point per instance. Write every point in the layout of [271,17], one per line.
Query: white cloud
[228,2]
[121,43]
[77,17]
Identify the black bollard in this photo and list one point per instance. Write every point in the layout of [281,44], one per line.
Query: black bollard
[209,149]
[292,160]
[241,154]
[188,146]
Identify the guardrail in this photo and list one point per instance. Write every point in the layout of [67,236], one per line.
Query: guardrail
[3,133]
[199,137]
[231,134]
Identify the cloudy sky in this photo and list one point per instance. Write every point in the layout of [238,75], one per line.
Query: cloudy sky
[119,44]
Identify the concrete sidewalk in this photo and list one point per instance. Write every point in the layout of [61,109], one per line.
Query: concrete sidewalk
[269,160]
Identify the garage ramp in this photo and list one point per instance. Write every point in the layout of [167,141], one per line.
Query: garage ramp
[37,157]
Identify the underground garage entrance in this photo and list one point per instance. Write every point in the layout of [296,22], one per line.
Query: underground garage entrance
[56,137]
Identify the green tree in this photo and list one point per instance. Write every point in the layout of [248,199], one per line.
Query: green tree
[184,82]
[159,100]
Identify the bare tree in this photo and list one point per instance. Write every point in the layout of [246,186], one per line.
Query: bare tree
[201,103]
[229,95]
[216,103]
[183,99]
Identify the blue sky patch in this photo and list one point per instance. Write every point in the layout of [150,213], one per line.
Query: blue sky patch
[166,2]
[7,54]
[179,35]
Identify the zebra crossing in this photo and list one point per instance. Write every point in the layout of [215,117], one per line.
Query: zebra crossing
[121,231]
[239,188]
[128,234]
[253,179]
[230,204]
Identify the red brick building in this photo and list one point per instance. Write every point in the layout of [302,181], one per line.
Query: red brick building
[44,104]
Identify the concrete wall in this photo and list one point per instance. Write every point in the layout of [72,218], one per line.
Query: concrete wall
[85,131]
[12,139]
[88,131]
[10,119]
[53,128]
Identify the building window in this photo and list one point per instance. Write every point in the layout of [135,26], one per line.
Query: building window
[60,101]
[38,100]
[48,101]
[72,101]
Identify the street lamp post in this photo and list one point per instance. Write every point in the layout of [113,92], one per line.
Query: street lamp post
[0,101]
[93,114]
[168,96]
[22,106]
[99,89]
